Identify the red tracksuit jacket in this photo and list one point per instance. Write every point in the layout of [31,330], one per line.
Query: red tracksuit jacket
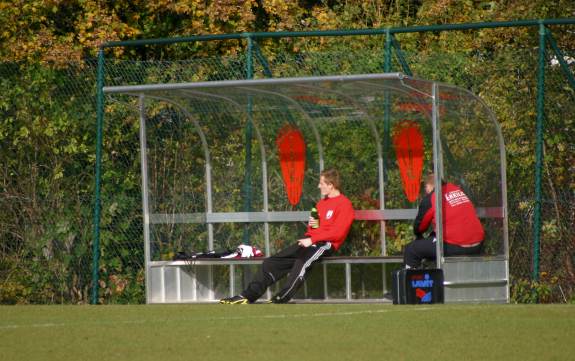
[460,223]
[335,219]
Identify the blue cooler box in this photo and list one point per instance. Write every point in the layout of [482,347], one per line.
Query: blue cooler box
[417,286]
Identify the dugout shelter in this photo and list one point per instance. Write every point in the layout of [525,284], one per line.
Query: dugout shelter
[231,162]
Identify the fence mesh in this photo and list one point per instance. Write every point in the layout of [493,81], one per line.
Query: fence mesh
[46,182]
[48,145]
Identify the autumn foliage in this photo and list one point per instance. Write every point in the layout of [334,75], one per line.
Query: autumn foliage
[47,117]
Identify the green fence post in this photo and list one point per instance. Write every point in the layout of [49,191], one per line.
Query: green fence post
[539,151]
[386,104]
[248,139]
[388,47]
[97,202]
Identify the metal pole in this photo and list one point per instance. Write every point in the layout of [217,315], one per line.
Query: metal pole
[386,140]
[97,201]
[539,151]
[387,110]
[400,57]
[559,54]
[262,59]
[438,173]
[284,34]
[268,73]
[248,149]
[145,196]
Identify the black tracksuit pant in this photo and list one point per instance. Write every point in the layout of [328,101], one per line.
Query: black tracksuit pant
[425,248]
[295,260]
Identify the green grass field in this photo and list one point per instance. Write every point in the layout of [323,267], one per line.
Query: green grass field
[288,332]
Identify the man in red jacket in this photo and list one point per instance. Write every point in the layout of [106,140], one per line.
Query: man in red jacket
[335,218]
[462,231]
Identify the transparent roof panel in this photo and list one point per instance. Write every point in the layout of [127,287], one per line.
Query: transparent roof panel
[377,129]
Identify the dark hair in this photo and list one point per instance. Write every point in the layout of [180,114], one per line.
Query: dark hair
[331,175]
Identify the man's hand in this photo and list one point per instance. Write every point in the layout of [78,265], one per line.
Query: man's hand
[313,223]
[304,242]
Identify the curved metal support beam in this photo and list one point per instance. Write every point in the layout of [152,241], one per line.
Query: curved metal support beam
[258,136]
[209,206]
[306,117]
[263,153]
[502,157]
[379,149]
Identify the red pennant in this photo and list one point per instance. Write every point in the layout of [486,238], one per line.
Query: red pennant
[292,150]
[408,143]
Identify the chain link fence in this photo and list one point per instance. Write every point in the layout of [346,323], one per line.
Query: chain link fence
[46,180]
[48,152]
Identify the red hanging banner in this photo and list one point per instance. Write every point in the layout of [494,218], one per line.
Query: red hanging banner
[291,151]
[408,143]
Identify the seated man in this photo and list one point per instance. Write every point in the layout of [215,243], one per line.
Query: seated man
[335,219]
[462,231]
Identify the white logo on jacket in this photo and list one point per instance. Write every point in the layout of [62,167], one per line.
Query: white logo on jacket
[329,214]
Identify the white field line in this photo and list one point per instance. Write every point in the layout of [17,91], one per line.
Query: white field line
[223,318]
